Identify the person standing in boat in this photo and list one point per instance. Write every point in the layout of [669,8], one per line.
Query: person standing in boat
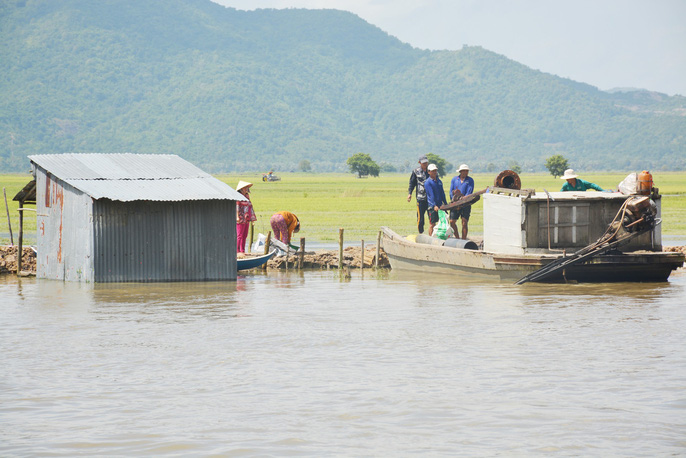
[574,183]
[284,224]
[460,186]
[435,195]
[245,215]
[417,179]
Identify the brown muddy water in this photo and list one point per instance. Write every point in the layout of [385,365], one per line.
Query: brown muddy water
[313,364]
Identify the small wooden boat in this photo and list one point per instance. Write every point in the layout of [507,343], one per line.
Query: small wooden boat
[252,262]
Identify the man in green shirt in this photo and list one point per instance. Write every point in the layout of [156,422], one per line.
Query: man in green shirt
[574,183]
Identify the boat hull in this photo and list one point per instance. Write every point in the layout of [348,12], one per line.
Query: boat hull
[644,266]
[253,262]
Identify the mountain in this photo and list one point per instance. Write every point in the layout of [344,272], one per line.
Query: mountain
[237,90]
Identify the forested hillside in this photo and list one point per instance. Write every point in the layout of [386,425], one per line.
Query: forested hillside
[233,90]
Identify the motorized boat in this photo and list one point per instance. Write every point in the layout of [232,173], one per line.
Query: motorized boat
[550,237]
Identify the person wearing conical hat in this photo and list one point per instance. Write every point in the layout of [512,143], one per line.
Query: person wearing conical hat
[245,215]
[574,183]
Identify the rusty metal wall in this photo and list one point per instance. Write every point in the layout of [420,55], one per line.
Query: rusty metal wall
[64,232]
[164,241]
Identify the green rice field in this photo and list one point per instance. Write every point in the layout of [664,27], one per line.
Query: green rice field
[326,202]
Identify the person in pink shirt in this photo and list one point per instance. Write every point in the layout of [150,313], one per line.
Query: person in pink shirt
[245,215]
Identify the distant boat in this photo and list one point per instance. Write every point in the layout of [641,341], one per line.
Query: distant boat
[252,262]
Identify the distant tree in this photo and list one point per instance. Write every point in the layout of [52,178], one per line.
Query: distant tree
[305,166]
[388,168]
[515,167]
[490,167]
[363,165]
[442,165]
[556,165]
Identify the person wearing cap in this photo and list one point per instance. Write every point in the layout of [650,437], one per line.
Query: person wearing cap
[574,183]
[284,224]
[435,195]
[245,215]
[460,186]
[417,179]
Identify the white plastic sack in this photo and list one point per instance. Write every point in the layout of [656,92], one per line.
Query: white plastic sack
[274,244]
[279,246]
[629,184]
[258,245]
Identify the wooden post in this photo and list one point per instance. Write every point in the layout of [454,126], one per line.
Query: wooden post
[9,224]
[340,248]
[378,249]
[20,248]
[267,243]
[252,229]
[302,253]
[362,256]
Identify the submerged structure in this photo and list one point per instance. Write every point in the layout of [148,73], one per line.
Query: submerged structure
[132,218]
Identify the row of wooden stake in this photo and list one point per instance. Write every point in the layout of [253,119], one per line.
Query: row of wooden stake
[301,251]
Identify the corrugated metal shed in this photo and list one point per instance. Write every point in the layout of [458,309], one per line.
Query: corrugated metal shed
[132,217]
[128,177]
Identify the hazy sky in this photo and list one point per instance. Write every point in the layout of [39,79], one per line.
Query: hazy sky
[606,43]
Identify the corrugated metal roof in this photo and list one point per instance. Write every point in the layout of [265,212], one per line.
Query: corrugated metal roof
[128,177]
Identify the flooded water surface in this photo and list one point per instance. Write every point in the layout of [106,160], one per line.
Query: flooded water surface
[312,364]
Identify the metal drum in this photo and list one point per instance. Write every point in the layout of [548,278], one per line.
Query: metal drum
[461,243]
[428,240]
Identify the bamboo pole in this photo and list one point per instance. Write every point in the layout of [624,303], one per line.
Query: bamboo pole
[252,230]
[340,248]
[362,256]
[378,249]
[9,224]
[302,253]
[267,243]
[20,248]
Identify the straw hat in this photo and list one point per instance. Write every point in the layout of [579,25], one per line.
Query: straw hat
[569,174]
[243,184]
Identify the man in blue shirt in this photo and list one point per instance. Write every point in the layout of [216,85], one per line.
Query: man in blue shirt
[574,183]
[460,186]
[435,196]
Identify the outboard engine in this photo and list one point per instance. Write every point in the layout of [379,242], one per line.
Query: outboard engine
[640,214]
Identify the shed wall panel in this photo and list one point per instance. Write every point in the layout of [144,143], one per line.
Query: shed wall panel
[164,241]
[64,232]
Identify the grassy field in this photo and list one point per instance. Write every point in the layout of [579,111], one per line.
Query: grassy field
[327,202]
